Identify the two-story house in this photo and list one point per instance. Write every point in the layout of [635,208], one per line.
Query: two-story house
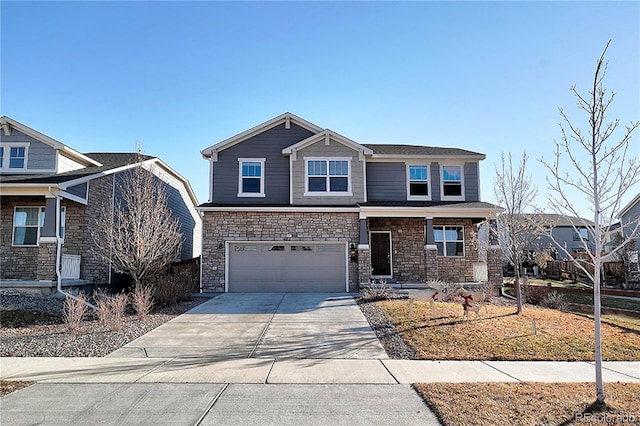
[50,192]
[570,235]
[295,207]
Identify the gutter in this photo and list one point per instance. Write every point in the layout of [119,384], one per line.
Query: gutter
[59,253]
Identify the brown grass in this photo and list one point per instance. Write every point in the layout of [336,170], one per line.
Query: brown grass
[8,386]
[529,403]
[502,335]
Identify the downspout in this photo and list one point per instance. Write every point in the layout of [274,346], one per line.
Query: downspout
[59,253]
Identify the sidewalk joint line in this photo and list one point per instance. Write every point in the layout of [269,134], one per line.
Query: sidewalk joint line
[266,327]
[166,361]
[389,371]
[210,406]
[502,372]
[593,364]
[266,379]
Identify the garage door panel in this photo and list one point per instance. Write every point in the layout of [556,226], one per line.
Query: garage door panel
[287,267]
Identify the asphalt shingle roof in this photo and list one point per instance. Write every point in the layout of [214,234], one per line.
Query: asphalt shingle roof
[394,149]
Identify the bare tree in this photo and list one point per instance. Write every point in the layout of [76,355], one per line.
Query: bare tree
[137,235]
[593,165]
[515,192]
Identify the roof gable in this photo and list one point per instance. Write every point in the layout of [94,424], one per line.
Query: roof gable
[287,118]
[629,206]
[327,135]
[7,123]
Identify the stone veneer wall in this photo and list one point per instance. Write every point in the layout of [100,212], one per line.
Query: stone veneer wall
[100,194]
[407,245]
[459,269]
[16,262]
[219,227]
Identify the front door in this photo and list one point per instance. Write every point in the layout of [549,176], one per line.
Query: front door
[381,254]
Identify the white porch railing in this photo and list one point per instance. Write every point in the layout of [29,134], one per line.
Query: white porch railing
[480,273]
[70,266]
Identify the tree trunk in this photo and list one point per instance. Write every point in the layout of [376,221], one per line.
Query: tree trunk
[516,283]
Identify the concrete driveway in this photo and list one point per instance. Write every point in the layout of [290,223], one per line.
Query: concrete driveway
[264,325]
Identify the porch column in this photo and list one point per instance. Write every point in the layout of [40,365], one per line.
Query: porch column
[430,251]
[364,253]
[48,231]
[494,257]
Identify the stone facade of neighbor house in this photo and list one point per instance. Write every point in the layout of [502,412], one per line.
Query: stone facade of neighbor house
[42,179]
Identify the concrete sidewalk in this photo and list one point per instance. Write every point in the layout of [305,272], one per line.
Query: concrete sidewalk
[305,371]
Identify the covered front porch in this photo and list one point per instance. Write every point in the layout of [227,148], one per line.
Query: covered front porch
[409,247]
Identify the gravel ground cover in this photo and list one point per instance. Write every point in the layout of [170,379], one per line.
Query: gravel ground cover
[31,325]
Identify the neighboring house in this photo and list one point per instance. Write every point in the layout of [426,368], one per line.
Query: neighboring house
[295,207]
[629,222]
[44,182]
[569,234]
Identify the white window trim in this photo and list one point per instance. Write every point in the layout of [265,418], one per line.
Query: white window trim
[327,193]
[451,197]
[6,156]
[418,197]
[444,245]
[41,210]
[262,173]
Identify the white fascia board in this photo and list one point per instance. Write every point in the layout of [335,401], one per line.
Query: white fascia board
[287,116]
[401,157]
[629,206]
[72,197]
[47,140]
[332,135]
[423,212]
[287,209]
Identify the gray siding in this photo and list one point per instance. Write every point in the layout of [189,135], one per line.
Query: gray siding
[629,221]
[334,149]
[564,236]
[435,182]
[268,145]
[471,182]
[78,190]
[40,156]
[386,181]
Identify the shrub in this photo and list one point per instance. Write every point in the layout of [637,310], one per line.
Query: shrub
[534,294]
[111,308]
[142,301]
[173,287]
[74,310]
[374,291]
[554,300]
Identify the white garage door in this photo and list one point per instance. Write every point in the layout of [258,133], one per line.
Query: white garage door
[292,267]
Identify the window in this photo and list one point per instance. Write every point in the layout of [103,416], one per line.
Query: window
[449,240]
[251,180]
[418,182]
[28,223]
[13,157]
[329,176]
[582,232]
[452,182]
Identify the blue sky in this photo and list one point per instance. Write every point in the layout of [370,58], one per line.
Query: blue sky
[181,76]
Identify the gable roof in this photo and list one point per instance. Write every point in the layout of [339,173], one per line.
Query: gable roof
[629,206]
[7,122]
[287,118]
[326,135]
[110,162]
[560,220]
[392,150]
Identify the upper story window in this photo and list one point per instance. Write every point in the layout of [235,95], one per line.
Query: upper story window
[581,234]
[452,183]
[28,223]
[251,179]
[418,186]
[328,176]
[13,157]
[449,240]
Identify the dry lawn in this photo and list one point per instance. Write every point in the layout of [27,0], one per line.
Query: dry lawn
[8,386]
[502,335]
[530,403]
